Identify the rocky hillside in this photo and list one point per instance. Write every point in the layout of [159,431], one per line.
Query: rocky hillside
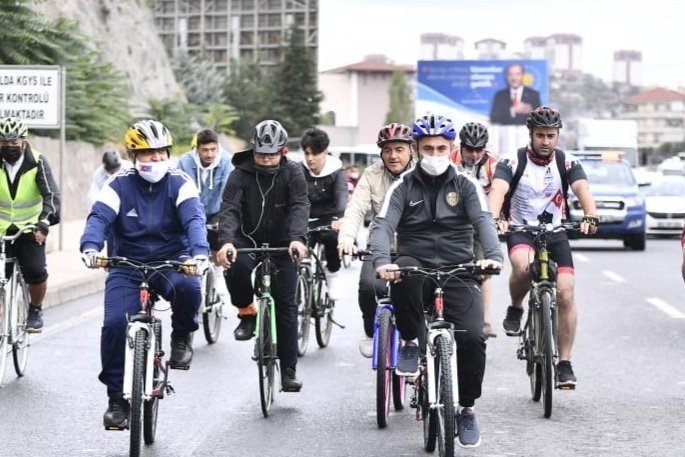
[125,31]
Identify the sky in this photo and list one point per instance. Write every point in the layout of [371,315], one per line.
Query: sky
[351,29]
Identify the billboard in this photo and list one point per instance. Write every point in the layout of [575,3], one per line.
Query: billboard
[31,93]
[494,92]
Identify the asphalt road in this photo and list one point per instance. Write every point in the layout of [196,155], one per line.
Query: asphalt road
[628,358]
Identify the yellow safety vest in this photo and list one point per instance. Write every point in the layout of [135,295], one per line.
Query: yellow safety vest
[27,204]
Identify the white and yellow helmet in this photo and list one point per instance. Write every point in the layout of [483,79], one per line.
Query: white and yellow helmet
[12,128]
[147,134]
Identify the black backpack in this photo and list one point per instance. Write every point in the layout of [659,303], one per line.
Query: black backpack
[560,158]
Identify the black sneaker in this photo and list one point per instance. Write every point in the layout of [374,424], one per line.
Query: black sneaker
[289,381]
[565,377]
[512,321]
[467,428]
[34,321]
[408,363]
[245,329]
[116,416]
[181,352]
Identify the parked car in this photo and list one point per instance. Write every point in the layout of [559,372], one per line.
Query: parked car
[620,207]
[665,201]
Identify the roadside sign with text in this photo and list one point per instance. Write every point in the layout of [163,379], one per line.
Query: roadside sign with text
[31,93]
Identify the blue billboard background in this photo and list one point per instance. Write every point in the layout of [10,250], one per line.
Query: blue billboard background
[469,86]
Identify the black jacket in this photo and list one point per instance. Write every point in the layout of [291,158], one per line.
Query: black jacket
[327,191]
[437,235]
[259,207]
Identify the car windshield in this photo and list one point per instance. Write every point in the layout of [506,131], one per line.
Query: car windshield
[610,173]
[665,189]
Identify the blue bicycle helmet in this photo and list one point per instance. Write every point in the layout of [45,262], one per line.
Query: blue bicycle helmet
[434,125]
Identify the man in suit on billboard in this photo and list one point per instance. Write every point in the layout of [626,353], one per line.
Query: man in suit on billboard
[512,104]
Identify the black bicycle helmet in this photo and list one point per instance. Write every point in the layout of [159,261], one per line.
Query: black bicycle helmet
[543,116]
[474,135]
[111,160]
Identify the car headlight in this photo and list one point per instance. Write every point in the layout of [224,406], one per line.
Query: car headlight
[634,201]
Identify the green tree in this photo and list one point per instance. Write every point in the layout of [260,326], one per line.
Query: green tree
[199,77]
[246,90]
[400,109]
[219,118]
[295,96]
[178,117]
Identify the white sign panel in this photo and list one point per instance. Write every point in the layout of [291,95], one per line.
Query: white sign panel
[31,93]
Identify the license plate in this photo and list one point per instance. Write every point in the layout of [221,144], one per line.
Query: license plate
[669,224]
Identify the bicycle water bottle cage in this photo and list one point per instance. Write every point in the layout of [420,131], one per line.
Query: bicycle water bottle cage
[141,317]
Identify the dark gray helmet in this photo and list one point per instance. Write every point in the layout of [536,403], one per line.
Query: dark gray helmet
[269,137]
[474,135]
[543,116]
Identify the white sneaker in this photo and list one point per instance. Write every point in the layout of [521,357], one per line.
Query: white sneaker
[366,346]
[332,280]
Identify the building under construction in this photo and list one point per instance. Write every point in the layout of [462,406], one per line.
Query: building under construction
[229,30]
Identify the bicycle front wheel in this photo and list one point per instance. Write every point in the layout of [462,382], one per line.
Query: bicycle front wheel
[428,416]
[20,343]
[383,369]
[4,333]
[151,406]
[136,415]
[212,316]
[304,311]
[533,367]
[446,420]
[266,357]
[546,351]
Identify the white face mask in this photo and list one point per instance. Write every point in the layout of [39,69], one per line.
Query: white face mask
[152,171]
[435,165]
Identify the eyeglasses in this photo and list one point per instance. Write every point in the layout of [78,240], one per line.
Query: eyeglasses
[266,155]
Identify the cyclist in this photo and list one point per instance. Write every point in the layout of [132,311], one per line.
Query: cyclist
[265,201]
[434,211]
[472,158]
[154,214]
[327,190]
[28,195]
[111,163]
[396,145]
[352,176]
[539,196]
[209,165]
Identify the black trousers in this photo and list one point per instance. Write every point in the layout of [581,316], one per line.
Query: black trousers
[463,308]
[329,239]
[283,287]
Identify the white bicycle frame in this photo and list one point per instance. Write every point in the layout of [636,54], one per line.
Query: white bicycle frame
[430,363]
[131,330]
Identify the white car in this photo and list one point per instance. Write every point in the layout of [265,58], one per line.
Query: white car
[665,201]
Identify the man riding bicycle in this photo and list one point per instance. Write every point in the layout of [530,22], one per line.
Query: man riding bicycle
[154,214]
[434,211]
[265,201]
[28,195]
[396,142]
[209,165]
[539,196]
[472,158]
[327,190]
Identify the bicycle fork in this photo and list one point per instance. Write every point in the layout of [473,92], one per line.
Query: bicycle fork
[152,360]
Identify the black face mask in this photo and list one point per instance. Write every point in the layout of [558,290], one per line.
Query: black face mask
[268,171]
[10,153]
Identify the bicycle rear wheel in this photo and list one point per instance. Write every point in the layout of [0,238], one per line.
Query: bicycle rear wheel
[151,406]
[533,367]
[266,357]
[20,344]
[211,317]
[546,351]
[135,420]
[383,369]
[4,334]
[446,420]
[304,311]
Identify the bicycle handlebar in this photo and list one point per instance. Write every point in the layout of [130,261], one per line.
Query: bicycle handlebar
[453,270]
[321,228]
[544,228]
[137,265]
[20,232]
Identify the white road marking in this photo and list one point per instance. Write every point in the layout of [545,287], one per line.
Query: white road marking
[666,308]
[66,324]
[581,257]
[613,276]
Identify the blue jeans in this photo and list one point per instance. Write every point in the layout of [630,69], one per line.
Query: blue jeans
[122,299]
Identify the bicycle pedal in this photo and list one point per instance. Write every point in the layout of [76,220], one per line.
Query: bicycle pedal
[116,429]
[169,389]
[34,330]
[179,367]
[566,387]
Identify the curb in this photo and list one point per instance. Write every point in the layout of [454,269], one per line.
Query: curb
[74,289]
